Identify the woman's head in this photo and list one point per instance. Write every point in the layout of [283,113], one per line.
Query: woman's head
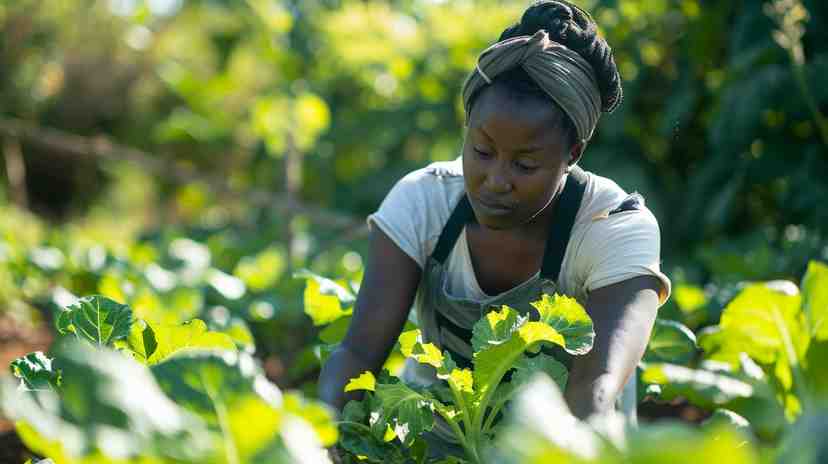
[526,73]
[543,85]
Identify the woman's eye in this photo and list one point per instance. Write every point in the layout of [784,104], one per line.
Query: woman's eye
[482,154]
[526,167]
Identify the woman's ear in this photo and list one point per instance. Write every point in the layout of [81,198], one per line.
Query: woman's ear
[575,153]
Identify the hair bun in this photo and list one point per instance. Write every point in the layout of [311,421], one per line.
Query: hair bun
[569,25]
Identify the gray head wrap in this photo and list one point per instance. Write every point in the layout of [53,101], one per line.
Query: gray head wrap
[561,72]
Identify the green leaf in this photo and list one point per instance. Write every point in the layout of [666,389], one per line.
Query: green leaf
[702,388]
[816,368]
[541,428]
[335,331]
[493,362]
[726,417]
[96,319]
[262,271]
[751,398]
[412,346]
[409,413]
[141,341]
[36,372]
[682,444]
[365,381]
[238,330]
[762,319]
[318,415]
[249,417]
[815,299]
[525,369]
[104,390]
[407,340]
[670,342]
[427,353]
[568,318]
[804,442]
[173,339]
[461,380]
[355,436]
[496,327]
[325,300]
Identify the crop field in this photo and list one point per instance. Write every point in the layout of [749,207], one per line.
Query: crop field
[184,189]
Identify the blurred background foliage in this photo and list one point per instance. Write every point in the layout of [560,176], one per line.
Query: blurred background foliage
[193,154]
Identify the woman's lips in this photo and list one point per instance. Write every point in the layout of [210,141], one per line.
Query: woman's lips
[493,208]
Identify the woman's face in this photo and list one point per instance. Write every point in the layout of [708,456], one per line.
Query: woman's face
[514,157]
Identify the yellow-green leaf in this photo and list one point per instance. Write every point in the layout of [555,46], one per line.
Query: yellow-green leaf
[569,319]
[191,335]
[325,300]
[815,299]
[365,381]
[428,353]
[462,380]
[408,339]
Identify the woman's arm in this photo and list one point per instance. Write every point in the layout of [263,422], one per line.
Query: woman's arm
[623,315]
[384,300]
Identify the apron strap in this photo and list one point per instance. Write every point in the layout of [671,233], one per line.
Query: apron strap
[565,211]
[462,215]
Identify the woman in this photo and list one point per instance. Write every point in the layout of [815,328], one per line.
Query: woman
[515,218]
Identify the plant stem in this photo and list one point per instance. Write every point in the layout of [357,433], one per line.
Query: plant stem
[354,424]
[224,423]
[799,381]
[490,389]
[490,418]
[469,448]
[466,416]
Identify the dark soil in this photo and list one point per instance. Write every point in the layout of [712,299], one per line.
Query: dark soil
[653,411]
[17,338]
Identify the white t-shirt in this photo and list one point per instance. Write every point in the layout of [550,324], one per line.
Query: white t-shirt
[603,248]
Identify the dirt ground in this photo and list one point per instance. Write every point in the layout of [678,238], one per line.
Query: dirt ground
[17,339]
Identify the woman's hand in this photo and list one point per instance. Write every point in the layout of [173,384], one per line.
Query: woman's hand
[385,296]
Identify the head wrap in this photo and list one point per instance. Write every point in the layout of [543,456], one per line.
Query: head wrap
[561,72]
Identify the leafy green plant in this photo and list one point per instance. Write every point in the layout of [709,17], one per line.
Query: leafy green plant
[765,360]
[118,389]
[542,429]
[468,400]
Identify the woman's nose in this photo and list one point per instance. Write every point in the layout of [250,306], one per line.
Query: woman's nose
[497,179]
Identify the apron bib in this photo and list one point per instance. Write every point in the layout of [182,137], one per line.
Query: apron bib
[447,320]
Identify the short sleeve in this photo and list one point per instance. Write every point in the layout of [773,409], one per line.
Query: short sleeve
[619,246]
[405,219]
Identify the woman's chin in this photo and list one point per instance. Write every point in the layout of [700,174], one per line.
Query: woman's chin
[495,222]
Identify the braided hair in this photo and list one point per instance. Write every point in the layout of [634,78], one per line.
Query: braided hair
[568,24]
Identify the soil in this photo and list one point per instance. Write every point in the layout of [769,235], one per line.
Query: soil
[17,338]
[652,411]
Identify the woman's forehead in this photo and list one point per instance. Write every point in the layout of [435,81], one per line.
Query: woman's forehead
[520,126]
[496,109]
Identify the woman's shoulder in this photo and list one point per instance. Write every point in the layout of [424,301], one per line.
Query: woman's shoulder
[436,186]
[438,172]
[419,205]
[604,197]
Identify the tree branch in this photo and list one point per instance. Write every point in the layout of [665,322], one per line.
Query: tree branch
[15,171]
[102,147]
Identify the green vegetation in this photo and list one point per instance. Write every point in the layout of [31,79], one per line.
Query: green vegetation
[122,390]
[203,169]
[475,397]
